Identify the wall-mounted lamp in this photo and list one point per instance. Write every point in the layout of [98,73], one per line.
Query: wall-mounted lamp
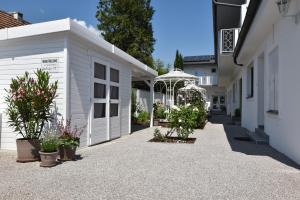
[283,7]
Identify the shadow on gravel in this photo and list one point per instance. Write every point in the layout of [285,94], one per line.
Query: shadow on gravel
[137,127]
[249,147]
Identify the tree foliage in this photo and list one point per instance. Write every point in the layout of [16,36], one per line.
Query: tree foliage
[178,63]
[127,24]
[160,67]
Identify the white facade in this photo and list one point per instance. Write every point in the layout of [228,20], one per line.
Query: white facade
[69,52]
[281,35]
[269,97]
[208,79]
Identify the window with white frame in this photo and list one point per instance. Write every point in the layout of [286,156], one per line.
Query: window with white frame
[250,81]
[273,80]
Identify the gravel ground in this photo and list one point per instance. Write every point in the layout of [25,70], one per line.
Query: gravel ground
[215,167]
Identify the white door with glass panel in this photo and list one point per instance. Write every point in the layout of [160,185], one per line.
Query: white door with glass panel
[114,104]
[99,119]
[105,117]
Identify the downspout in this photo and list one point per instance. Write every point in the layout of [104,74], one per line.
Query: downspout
[230,5]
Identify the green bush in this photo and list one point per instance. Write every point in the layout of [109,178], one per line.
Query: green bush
[198,102]
[49,142]
[158,136]
[237,112]
[159,111]
[143,117]
[184,120]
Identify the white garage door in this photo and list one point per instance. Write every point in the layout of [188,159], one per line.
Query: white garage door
[105,114]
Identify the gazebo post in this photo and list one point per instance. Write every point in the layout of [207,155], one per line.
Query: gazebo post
[151,102]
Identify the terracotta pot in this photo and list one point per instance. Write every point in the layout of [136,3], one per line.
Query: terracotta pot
[28,150]
[67,153]
[48,159]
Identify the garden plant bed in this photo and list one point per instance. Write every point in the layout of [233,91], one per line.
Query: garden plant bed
[175,140]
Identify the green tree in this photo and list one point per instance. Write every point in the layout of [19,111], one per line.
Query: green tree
[160,67]
[178,63]
[127,24]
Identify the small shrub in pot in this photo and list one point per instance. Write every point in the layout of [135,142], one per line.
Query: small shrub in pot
[69,140]
[49,149]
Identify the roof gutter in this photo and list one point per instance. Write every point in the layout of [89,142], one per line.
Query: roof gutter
[226,4]
[250,15]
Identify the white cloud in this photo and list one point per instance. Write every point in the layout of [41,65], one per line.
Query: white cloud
[88,26]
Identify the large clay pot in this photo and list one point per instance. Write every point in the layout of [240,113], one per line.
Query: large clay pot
[28,150]
[67,152]
[48,159]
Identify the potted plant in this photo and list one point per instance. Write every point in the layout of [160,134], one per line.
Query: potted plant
[69,140]
[29,102]
[49,150]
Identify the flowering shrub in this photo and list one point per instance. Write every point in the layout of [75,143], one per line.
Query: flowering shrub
[69,136]
[183,119]
[198,102]
[159,111]
[29,102]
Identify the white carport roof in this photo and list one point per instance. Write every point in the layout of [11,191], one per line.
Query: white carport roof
[68,25]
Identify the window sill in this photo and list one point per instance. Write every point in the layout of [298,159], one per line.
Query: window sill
[273,112]
[249,97]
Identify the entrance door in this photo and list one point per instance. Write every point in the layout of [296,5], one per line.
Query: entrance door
[261,99]
[215,103]
[114,104]
[99,99]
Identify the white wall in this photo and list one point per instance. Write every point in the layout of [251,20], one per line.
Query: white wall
[283,128]
[233,105]
[20,55]
[202,70]
[81,56]
[143,98]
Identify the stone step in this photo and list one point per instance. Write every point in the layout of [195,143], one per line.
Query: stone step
[259,136]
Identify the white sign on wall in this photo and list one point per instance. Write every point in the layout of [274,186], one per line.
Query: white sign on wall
[50,64]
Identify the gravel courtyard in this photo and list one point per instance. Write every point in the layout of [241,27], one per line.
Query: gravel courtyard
[215,167]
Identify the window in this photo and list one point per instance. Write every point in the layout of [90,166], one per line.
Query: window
[114,109]
[114,92]
[213,70]
[99,110]
[99,91]
[114,75]
[250,81]
[273,81]
[100,71]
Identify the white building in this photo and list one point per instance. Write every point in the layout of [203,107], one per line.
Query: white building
[258,45]
[94,76]
[206,69]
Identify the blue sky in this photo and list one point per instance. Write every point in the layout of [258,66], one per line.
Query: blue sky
[184,25]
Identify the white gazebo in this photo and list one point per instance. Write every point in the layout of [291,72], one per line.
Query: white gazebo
[190,88]
[170,81]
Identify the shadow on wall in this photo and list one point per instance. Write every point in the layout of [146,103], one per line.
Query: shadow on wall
[248,147]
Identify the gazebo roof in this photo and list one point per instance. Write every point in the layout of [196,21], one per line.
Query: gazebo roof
[192,87]
[176,75]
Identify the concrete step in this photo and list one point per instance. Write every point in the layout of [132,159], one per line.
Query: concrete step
[259,136]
